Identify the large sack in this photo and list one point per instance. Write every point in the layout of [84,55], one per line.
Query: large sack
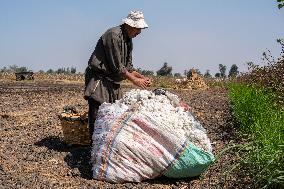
[143,136]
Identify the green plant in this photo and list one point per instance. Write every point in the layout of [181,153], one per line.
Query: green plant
[260,119]
[280,3]
[270,76]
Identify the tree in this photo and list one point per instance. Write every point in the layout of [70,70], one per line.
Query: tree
[233,71]
[50,71]
[73,70]
[14,68]
[60,70]
[198,72]
[185,72]
[218,75]
[222,69]
[165,70]
[67,70]
[177,75]
[147,72]
[4,69]
[280,3]
[207,74]
[22,69]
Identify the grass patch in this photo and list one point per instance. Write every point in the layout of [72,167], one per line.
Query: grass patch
[262,122]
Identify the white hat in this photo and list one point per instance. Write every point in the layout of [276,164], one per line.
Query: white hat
[135,19]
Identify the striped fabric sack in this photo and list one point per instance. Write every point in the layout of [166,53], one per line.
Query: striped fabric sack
[133,144]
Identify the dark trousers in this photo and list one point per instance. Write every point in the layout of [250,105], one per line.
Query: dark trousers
[97,93]
[92,114]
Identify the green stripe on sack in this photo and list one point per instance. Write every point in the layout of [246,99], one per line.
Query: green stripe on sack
[192,162]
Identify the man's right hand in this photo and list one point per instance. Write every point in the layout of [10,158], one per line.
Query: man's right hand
[143,83]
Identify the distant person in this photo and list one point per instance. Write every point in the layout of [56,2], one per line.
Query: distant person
[111,62]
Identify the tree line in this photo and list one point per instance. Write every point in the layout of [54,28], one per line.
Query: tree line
[17,69]
[67,70]
[166,70]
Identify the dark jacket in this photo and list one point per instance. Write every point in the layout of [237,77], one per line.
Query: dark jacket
[109,61]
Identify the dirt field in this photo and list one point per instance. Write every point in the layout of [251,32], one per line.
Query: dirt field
[33,154]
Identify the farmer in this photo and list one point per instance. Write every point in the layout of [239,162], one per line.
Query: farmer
[111,62]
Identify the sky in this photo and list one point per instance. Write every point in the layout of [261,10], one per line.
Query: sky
[51,34]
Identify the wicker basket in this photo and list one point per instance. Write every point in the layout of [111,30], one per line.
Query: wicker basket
[75,128]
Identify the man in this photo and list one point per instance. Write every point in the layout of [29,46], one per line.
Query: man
[111,62]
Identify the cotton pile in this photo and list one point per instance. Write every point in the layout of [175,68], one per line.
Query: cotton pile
[163,110]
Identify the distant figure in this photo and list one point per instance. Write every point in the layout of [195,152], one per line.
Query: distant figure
[111,62]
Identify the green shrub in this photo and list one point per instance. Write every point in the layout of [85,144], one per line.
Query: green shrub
[263,122]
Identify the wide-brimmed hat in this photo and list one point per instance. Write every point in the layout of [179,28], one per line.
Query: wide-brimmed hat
[135,19]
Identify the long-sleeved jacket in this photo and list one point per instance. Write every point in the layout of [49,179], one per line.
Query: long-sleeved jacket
[112,55]
[110,60]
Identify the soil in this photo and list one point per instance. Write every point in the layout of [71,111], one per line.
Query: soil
[33,153]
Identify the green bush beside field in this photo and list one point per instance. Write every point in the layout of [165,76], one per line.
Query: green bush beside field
[261,121]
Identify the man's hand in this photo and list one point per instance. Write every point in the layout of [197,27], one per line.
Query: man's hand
[138,75]
[143,83]
[138,79]
[149,80]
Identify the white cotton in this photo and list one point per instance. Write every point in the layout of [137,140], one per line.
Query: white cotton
[165,111]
